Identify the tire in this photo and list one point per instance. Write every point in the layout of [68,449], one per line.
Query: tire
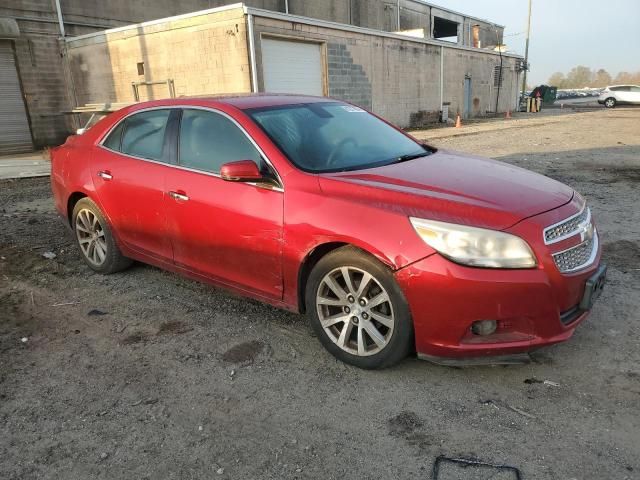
[380,304]
[95,240]
[610,102]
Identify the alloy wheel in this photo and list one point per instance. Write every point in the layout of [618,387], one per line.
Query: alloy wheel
[355,311]
[609,102]
[91,237]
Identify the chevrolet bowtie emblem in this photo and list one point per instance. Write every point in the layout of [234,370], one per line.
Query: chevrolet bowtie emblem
[586,231]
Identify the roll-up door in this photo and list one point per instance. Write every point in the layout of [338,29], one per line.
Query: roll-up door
[292,67]
[15,136]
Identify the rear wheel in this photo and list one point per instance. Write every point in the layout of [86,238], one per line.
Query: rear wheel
[358,310]
[94,237]
[610,102]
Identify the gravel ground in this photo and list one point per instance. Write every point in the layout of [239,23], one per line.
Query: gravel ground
[144,374]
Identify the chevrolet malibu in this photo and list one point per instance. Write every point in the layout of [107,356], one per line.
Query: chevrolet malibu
[314,205]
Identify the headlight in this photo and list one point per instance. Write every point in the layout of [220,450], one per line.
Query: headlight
[477,247]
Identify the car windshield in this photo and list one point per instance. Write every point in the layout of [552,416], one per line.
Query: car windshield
[334,137]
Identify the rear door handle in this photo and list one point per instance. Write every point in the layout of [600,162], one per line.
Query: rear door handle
[105,175]
[178,196]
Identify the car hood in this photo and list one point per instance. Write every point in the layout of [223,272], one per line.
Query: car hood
[454,187]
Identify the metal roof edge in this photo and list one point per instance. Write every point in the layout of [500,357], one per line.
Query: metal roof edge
[197,13]
[258,12]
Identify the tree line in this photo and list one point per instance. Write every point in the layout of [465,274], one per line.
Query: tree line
[581,77]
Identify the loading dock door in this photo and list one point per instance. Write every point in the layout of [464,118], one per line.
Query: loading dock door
[15,136]
[292,67]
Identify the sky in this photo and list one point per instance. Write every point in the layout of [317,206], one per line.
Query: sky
[565,33]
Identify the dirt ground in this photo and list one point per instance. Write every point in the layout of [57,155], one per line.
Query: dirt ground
[144,374]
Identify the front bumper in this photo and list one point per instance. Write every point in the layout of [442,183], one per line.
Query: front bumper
[533,307]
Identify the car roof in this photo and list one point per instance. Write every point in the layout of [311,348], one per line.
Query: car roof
[257,100]
[241,101]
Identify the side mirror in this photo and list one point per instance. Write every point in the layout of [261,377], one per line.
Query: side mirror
[240,171]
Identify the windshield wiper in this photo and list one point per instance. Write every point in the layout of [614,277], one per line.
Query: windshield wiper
[412,156]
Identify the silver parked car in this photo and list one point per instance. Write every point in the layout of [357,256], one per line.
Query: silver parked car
[620,94]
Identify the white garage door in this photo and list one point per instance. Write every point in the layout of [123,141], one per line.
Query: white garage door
[292,67]
[15,136]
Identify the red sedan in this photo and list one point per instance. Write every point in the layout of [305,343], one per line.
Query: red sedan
[318,206]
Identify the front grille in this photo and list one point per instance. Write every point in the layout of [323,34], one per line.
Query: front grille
[577,257]
[567,228]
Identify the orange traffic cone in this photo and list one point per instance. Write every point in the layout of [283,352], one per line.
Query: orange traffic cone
[508,114]
[458,122]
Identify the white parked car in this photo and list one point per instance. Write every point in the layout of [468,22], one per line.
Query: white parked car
[620,94]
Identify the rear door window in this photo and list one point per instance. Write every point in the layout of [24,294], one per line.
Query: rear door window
[113,140]
[144,134]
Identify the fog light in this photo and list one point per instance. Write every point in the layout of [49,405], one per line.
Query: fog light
[484,327]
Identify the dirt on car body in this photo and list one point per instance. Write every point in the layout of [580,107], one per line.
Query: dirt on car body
[180,380]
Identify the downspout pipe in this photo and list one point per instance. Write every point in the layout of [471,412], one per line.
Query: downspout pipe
[500,74]
[441,78]
[60,20]
[252,54]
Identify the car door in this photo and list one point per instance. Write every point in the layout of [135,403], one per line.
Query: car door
[129,169]
[228,231]
[623,94]
[634,94]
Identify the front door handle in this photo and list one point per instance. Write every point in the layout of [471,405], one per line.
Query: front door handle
[178,196]
[105,175]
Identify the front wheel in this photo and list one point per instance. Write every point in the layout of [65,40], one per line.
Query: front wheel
[610,102]
[358,310]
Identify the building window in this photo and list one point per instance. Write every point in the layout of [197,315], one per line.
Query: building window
[140,66]
[444,29]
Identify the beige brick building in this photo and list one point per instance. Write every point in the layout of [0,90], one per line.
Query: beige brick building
[229,49]
[52,59]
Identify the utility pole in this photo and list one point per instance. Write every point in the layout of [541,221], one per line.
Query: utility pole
[526,53]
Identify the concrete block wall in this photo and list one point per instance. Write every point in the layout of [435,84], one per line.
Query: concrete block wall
[347,80]
[414,15]
[39,52]
[135,11]
[411,72]
[46,81]
[205,54]
[40,67]
[376,14]
[461,64]
[38,59]
[332,10]
[396,78]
